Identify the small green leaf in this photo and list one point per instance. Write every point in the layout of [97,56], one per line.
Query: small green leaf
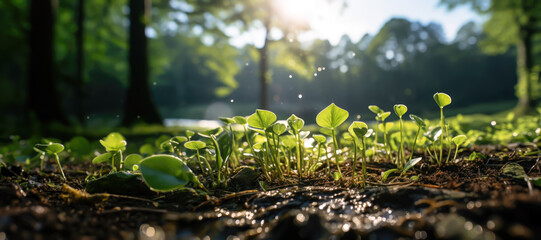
[195,145]
[326,131]
[337,176]
[211,132]
[227,120]
[358,129]
[288,141]
[79,145]
[383,116]
[240,120]
[166,173]
[375,109]
[49,148]
[410,164]
[386,174]
[106,157]
[132,160]
[114,142]
[189,133]
[419,121]
[442,99]
[261,119]
[319,138]
[331,117]
[278,128]
[400,109]
[295,122]
[459,140]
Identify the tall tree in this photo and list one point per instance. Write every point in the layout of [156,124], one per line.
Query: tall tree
[42,95]
[139,105]
[513,23]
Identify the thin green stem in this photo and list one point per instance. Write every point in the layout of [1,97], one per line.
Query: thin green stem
[60,166]
[354,157]
[363,155]
[414,143]
[441,137]
[456,152]
[299,160]
[401,152]
[335,144]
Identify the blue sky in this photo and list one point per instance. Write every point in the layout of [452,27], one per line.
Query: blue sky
[331,21]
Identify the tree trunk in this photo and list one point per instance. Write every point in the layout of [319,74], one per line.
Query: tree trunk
[263,68]
[79,79]
[526,85]
[139,105]
[42,95]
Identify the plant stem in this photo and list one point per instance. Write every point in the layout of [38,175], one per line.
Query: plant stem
[441,137]
[448,143]
[60,166]
[363,155]
[414,143]
[335,144]
[456,151]
[299,160]
[376,139]
[354,156]
[401,152]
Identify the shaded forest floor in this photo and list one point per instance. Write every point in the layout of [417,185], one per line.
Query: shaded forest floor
[481,199]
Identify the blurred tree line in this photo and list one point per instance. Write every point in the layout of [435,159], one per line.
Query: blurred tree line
[122,58]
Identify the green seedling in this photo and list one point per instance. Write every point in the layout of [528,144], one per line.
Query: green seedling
[114,144]
[381,117]
[196,146]
[458,140]
[51,149]
[321,140]
[358,130]
[296,124]
[167,173]
[420,125]
[330,118]
[174,145]
[375,109]
[400,110]
[263,121]
[132,162]
[229,122]
[221,141]
[409,164]
[441,100]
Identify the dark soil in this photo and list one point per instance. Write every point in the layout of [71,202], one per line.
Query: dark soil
[464,200]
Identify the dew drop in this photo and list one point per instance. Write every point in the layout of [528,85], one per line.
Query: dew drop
[290,76]
[117,116]
[154,83]
[138,116]
[493,123]
[300,96]
[323,68]
[319,69]
[87,117]
[246,64]
[358,116]
[232,100]
[315,74]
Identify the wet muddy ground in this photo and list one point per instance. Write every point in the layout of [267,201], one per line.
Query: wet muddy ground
[479,199]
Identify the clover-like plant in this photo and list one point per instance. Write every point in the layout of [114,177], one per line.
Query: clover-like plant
[442,100]
[321,140]
[263,120]
[174,145]
[52,149]
[381,117]
[229,122]
[375,109]
[167,173]
[296,124]
[400,110]
[196,146]
[331,118]
[114,144]
[420,125]
[358,129]
[221,141]
[458,140]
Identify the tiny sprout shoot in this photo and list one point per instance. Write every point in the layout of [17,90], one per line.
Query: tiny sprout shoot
[358,130]
[421,125]
[296,124]
[375,109]
[442,100]
[331,117]
[114,144]
[381,117]
[400,110]
[198,145]
[263,119]
[51,149]
[458,140]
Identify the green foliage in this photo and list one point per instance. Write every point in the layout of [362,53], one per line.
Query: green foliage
[262,119]
[114,142]
[331,117]
[53,149]
[195,145]
[442,99]
[166,173]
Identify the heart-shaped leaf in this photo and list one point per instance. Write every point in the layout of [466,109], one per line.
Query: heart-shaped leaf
[166,173]
[106,157]
[227,120]
[240,120]
[375,109]
[195,145]
[331,117]
[442,99]
[131,160]
[295,123]
[319,138]
[278,128]
[400,109]
[358,129]
[114,142]
[382,116]
[261,119]
[49,148]
[459,140]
